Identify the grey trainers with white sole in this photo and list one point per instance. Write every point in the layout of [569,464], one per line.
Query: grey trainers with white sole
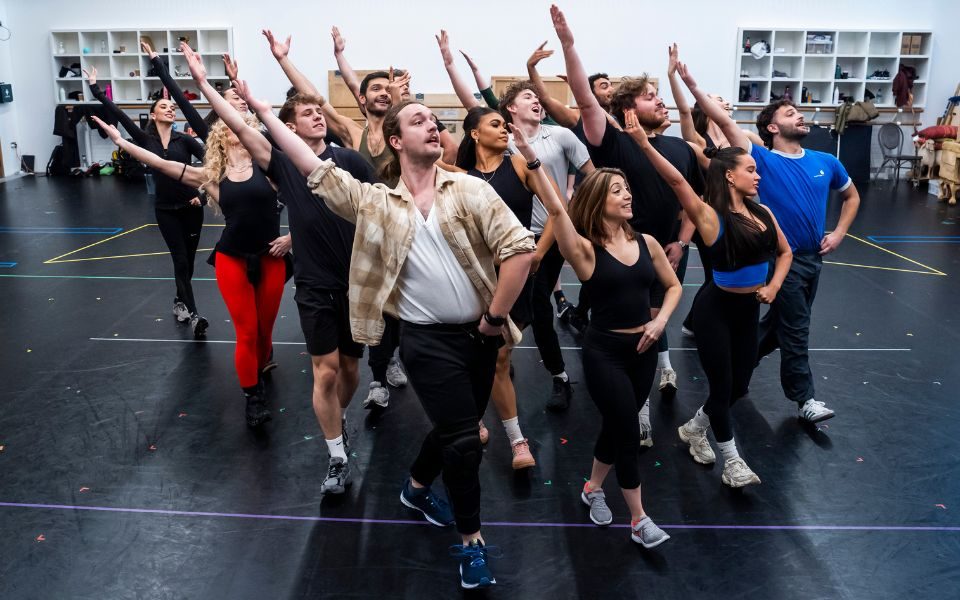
[600,513]
[646,533]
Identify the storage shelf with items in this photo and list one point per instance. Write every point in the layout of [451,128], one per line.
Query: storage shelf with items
[822,65]
[122,67]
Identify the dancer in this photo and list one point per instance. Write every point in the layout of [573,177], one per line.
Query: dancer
[619,348]
[796,185]
[178,209]
[741,238]
[425,252]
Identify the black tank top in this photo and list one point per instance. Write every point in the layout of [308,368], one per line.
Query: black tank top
[505,181]
[619,293]
[252,213]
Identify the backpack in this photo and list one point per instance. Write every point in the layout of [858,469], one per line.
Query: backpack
[126,166]
[56,166]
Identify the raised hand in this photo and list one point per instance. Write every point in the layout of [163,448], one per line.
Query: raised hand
[243,90]
[338,42]
[686,76]
[397,86]
[520,140]
[673,55]
[443,40]
[561,27]
[147,49]
[91,75]
[473,65]
[279,50]
[231,67]
[112,132]
[632,127]
[197,70]
[538,55]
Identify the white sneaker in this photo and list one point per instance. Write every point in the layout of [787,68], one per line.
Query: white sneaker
[668,381]
[646,430]
[686,332]
[700,448]
[180,312]
[378,396]
[737,474]
[395,375]
[814,411]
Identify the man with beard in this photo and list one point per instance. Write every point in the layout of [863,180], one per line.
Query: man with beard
[795,185]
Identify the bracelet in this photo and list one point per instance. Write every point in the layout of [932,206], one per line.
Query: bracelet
[184,170]
[531,166]
[494,321]
[683,245]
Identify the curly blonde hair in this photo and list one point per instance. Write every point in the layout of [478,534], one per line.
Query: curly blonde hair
[215,155]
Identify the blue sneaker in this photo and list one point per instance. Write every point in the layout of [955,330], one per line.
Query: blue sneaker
[434,508]
[474,572]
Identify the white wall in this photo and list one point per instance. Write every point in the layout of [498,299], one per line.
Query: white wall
[8,112]
[500,35]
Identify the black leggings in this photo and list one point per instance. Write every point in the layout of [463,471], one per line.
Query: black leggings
[619,380]
[451,368]
[726,328]
[180,228]
[380,355]
[544,333]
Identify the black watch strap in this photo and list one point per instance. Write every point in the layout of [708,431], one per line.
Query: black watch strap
[494,321]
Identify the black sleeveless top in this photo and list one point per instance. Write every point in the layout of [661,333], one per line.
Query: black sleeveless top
[619,293]
[252,214]
[744,247]
[511,190]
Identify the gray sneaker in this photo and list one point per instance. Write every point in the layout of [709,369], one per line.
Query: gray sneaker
[338,477]
[646,533]
[377,397]
[180,311]
[599,511]
[737,474]
[395,375]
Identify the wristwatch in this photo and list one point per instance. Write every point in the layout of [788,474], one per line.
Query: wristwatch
[683,245]
[534,164]
[494,321]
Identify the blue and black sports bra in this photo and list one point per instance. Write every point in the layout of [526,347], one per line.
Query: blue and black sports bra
[746,265]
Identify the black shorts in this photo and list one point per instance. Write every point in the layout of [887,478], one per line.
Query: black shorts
[325,320]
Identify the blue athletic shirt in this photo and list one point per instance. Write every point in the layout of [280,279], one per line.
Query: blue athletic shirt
[795,187]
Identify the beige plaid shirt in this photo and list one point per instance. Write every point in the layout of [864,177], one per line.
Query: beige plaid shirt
[475,222]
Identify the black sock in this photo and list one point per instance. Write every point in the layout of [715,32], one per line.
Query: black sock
[379,374]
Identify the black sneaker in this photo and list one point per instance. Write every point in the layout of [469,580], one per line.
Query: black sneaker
[257,411]
[474,571]
[563,308]
[338,476]
[199,326]
[560,396]
[434,508]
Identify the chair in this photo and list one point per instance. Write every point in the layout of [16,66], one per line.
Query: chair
[890,138]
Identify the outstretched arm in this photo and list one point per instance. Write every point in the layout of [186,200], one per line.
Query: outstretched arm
[346,71]
[460,87]
[714,111]
[257,145]
[189,112]
[139,136]
[561,113]
[687,130]
[593,115]
[483,84]
[178,171]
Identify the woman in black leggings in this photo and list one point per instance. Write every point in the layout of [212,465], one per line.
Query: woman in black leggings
[617,267]
[740,238]
[178,209]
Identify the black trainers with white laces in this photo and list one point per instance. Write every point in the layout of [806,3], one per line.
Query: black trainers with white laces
[199,326]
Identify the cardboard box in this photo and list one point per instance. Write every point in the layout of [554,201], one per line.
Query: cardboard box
[905,42]
[915,42]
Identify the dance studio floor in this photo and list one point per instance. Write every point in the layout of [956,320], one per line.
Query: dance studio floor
[126,469]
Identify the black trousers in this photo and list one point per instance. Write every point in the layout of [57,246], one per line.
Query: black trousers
[381,354]
[451,368]
[180,228]
[787,326]
[619,380]
[544,333]
[727,344]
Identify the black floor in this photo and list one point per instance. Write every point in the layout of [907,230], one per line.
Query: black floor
[126,470]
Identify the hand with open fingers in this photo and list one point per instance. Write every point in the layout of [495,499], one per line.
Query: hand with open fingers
[147,49]
[538,55]
[561,27]
[280,246]
[339,44]
[651,333]
[91,75]
[256,105]
[443,40]
[279,49]
[397,85]
[231,67]
[112,132]
[767,294]
[197,70]
[520,140]
[686,75]
[830,242]
[673,54]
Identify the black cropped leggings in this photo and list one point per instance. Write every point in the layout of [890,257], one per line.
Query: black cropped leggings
[619,380]
[726,328]
[180,228]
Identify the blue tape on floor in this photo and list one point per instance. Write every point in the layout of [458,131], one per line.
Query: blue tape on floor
[7,265]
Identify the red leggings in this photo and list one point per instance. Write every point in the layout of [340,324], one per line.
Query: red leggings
[253,310]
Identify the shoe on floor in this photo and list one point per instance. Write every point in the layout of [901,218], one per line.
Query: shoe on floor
[600,513]
[646,533]
[484,434]
[668,382]
[700,448]
[338,476]
[522,458]
[563,308]
[560,396]
[474,570]
[814,411]
[180,311]
[737,474]
[377,397]
[434,508]
[395,375]
[257,412]
[199,326]
[646,430]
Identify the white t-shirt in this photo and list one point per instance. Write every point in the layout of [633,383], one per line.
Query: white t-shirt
[432,286]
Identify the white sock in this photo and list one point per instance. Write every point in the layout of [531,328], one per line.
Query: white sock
[512,426]
[644,412]
[701,420]
[663,360]
[728,449]
[562,376]
[336,449]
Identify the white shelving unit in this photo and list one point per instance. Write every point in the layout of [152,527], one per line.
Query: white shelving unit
[119,62]
[807,60]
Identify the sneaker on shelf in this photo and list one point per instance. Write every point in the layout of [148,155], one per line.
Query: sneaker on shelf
[600,513]
[522,458]
[199,326]
[560,396]
[474,570]
[646,430]
[338,476]
[257,412]
[686,331]
[377,397]
[484,434]
[395,375]
[646,533]
[668,382]
[563,308]
[737,474]
[180,311]
[696,437]
[434,508]
[814,411]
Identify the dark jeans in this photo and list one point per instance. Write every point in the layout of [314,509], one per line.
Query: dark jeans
[381,354]
[180,228]
[451,369]
[787,326]
[544,333]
